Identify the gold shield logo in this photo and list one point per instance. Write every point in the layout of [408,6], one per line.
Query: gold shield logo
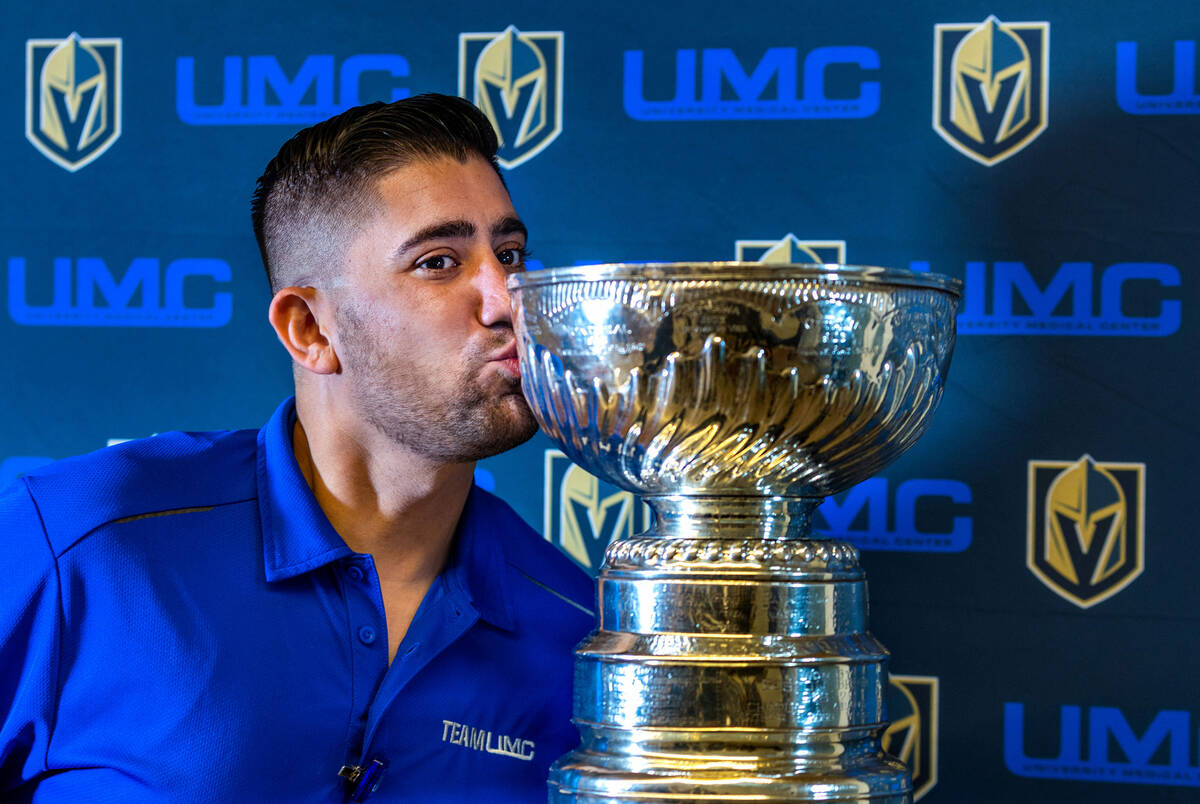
[991,86]
[72,98]
[912,737]
[1086,527]
[582,513]
[516,79]
[790,249]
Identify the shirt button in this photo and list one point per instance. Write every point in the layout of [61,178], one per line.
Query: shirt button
[355,572]
[366,635]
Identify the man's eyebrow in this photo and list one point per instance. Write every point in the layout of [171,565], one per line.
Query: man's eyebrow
[446,229]
[509,225]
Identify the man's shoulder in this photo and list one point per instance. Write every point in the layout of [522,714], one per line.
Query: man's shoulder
[166,472]
[533,560]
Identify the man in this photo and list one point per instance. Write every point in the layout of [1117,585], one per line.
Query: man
[328,606]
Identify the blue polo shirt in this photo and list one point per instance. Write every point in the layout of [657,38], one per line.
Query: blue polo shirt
[179,622]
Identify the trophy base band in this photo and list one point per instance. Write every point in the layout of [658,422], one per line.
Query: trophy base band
[577,780]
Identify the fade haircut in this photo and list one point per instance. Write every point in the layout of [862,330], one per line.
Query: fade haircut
[322,185]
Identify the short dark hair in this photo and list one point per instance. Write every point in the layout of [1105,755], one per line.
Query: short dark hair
[324,177]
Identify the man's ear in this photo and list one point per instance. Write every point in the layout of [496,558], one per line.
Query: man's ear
[298,317]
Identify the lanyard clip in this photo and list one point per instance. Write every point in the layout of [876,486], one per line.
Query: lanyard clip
[364,778]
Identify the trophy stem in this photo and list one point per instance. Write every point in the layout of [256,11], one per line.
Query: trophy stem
[732,517]
[732,662]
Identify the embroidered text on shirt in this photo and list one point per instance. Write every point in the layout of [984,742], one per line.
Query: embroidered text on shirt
[484,740]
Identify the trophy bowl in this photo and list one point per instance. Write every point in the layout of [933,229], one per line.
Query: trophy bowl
[728,378]
[732,657]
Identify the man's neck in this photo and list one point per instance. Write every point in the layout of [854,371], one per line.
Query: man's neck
[381,498]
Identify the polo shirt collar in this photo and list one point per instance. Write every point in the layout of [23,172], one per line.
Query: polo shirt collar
[298,538]
[477,563]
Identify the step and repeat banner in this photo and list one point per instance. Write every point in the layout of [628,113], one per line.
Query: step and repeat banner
[1032,560]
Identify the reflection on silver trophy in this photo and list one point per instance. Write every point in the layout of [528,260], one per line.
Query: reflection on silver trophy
[732,658]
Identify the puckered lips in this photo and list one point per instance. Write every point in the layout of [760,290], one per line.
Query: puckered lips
[507,361]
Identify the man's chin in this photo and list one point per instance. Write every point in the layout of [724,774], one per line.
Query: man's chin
[519,425]
[508,423]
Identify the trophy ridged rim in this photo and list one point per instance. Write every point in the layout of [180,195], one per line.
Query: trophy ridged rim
[736,271]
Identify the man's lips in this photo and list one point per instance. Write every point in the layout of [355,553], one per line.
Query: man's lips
[508,361]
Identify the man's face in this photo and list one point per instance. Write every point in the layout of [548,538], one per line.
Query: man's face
[424,328]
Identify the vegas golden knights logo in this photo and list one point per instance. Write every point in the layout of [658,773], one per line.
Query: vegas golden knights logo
[912,737]
[1086,537]
[72,98]
[516,79]
[789,249]
[583,513]
[991,86]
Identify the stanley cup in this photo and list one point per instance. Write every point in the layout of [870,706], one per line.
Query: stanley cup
[731,659]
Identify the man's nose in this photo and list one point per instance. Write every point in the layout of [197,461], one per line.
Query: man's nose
[496,305]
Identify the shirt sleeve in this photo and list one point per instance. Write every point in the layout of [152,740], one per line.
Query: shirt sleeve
[29,634]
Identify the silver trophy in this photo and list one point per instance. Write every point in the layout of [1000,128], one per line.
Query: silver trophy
[732,659]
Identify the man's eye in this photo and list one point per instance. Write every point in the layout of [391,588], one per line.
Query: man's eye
[512,256]
[439,263]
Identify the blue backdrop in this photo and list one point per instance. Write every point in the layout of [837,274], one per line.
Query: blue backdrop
[1029,559]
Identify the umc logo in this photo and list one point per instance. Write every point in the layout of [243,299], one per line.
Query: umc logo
[1048,311]
[1162,754]
[84,293]
[582,513]
[912,737]
[923,513]
[991,86]
[1182,99]
[72,98]
[791,250]
[775,88]
[1086,524]
[270,96]
[517,80]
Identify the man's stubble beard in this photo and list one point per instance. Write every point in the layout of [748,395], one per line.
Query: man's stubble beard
[396,397]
